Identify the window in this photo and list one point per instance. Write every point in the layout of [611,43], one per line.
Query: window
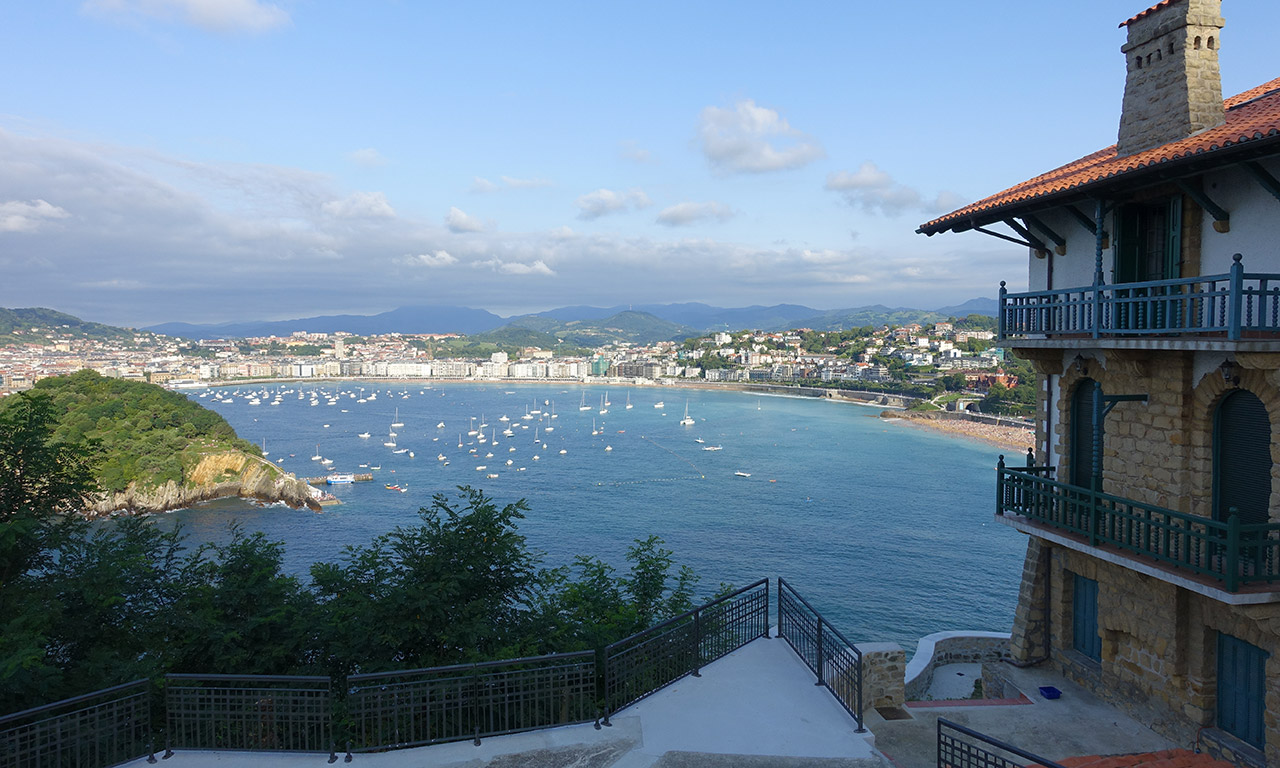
[1084,618]
[1082,437]
[1241,689]
[1242,458]
[1149,242]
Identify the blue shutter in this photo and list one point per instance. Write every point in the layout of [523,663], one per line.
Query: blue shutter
[1241,689]
[1084,616]
[1242,458]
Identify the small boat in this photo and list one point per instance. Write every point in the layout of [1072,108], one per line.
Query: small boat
[608,448]
[603,406]
[326,462]
[317,457]
[712,448]
[265,452]
[441,457]
[363,435]
[563,451]
[440,425]
[491,475]
[659,404]
[481,467]
[391,487]
[686,421]
[397,422]
[742,474]
[340,479]
[584,406]
[377,467]
[628,401]
[698,440]
[411,454]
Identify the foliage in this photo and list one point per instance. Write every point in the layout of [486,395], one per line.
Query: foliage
[43,326]
[138,432]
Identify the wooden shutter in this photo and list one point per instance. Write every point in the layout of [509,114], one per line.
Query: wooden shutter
[1241,689]
[1242,458]
[1082,434]
[1128,244]
[1084,615]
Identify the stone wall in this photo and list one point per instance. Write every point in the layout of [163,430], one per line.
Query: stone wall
[883,667]
[942,648]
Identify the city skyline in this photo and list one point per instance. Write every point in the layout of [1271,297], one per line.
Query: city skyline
[184,160]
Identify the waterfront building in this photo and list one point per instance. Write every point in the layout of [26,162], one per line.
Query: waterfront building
[1152,317]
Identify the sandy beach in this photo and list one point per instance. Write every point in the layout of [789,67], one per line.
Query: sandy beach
[1016,440]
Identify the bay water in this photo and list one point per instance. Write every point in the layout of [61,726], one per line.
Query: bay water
[887,529]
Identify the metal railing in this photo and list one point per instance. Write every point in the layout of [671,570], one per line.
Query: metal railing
[102,728]
[961,747]
[1232,552]
[1232,305]
[249,712]
[836,661]
[650,660]
[469,701]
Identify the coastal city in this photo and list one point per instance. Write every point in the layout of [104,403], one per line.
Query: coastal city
[879,356]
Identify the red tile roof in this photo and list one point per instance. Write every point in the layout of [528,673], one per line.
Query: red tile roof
[1169,758]
[1157,7]
[1252,118]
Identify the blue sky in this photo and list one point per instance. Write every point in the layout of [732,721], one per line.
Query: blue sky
[211,160]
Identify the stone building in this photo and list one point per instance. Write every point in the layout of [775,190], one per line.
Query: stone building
[1152,316]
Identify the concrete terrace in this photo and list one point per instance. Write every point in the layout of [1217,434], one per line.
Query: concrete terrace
[758,706]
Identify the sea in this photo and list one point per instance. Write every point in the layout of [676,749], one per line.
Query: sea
[885,528]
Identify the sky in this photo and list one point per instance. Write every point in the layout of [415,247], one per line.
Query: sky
[220,160]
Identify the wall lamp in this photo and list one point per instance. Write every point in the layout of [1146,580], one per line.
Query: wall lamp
[1229,373]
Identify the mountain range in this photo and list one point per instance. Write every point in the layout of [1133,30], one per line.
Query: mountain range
[584,325]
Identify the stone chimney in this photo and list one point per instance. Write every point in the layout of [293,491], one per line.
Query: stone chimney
[1173,87]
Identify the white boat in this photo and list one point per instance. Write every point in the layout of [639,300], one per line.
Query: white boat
[584,406]
[402,450]
[481,468]
[317,457]
[340,479]
[742,474]
[397,422]
[265,452]
[326,462]
[698,440]
[504,417]
[603,409]
[712,448]
[363,435]
[441,457]
[628,401]
[440,425]
[686,421]
[608,448]
[391,440]
[492,475]
[563,451]
[659,404]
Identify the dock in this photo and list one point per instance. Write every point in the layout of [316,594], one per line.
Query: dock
[323,479]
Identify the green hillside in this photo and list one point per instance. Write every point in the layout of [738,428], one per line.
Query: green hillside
[141,432]
[39,325]
[629,326]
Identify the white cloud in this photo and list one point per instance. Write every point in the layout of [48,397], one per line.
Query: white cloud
[19,216]
[360,205]
[524,183]
[367,157]
[434,259]
[683,214]
[601,202]
[459,221]
[752,139]
[481,184]
[212,15]
[874,190]
[538,267]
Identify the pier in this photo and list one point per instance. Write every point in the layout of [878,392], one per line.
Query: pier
[324,479]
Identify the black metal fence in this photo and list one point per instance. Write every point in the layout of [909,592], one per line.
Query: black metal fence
[426,706]
[961,747]
[378,711]
[103,728]
[249,712]
[650,660]
[836,661]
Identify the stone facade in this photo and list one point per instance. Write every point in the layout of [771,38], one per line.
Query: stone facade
[883,669]
[1172,87]
[943,648]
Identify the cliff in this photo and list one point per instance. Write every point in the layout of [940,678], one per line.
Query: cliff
[217,475]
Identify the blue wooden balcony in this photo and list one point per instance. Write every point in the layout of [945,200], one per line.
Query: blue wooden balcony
[1235,555]
[1234,306]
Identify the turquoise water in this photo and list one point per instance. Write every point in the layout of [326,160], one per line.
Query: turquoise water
[886,529]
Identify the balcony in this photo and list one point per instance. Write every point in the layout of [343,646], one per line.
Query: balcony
[1228,561]
[1236,311]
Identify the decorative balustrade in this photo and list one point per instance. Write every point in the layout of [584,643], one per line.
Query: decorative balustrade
[836,661]
[1232,552]
[105,727]
[1235,306]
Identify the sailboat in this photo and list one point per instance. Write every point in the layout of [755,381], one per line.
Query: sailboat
[265,452]
[603,409]
[584,406]
[628,401]
[686,421]
[317,457]
[391,440]
[397,422]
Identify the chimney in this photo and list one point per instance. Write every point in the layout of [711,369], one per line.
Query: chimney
[1172,88]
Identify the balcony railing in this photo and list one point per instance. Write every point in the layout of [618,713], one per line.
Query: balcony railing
[1233,306]
[1232,552]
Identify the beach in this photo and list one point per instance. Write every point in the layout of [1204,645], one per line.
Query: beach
[1014,439]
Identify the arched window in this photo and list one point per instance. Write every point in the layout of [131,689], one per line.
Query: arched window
[1241,458]
[1082,437]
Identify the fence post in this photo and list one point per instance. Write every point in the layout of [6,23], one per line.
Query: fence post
[1000,325]
[1235,298]
[821,662]
[1233,551]
[475,702]
[1000,485]
[697,642]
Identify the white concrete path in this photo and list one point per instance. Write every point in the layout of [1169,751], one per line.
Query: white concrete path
[758,700]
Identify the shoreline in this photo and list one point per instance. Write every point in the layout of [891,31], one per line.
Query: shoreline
[1014,439]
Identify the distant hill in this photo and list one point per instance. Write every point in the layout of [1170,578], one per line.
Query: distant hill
[580,324]
[416,319]
[42,326]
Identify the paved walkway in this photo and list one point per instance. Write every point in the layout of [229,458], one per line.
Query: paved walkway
[756,707]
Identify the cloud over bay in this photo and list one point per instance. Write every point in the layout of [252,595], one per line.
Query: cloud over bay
[602,202]
[873,190]
[748,138]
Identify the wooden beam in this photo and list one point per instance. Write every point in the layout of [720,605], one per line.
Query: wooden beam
[1221,219]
